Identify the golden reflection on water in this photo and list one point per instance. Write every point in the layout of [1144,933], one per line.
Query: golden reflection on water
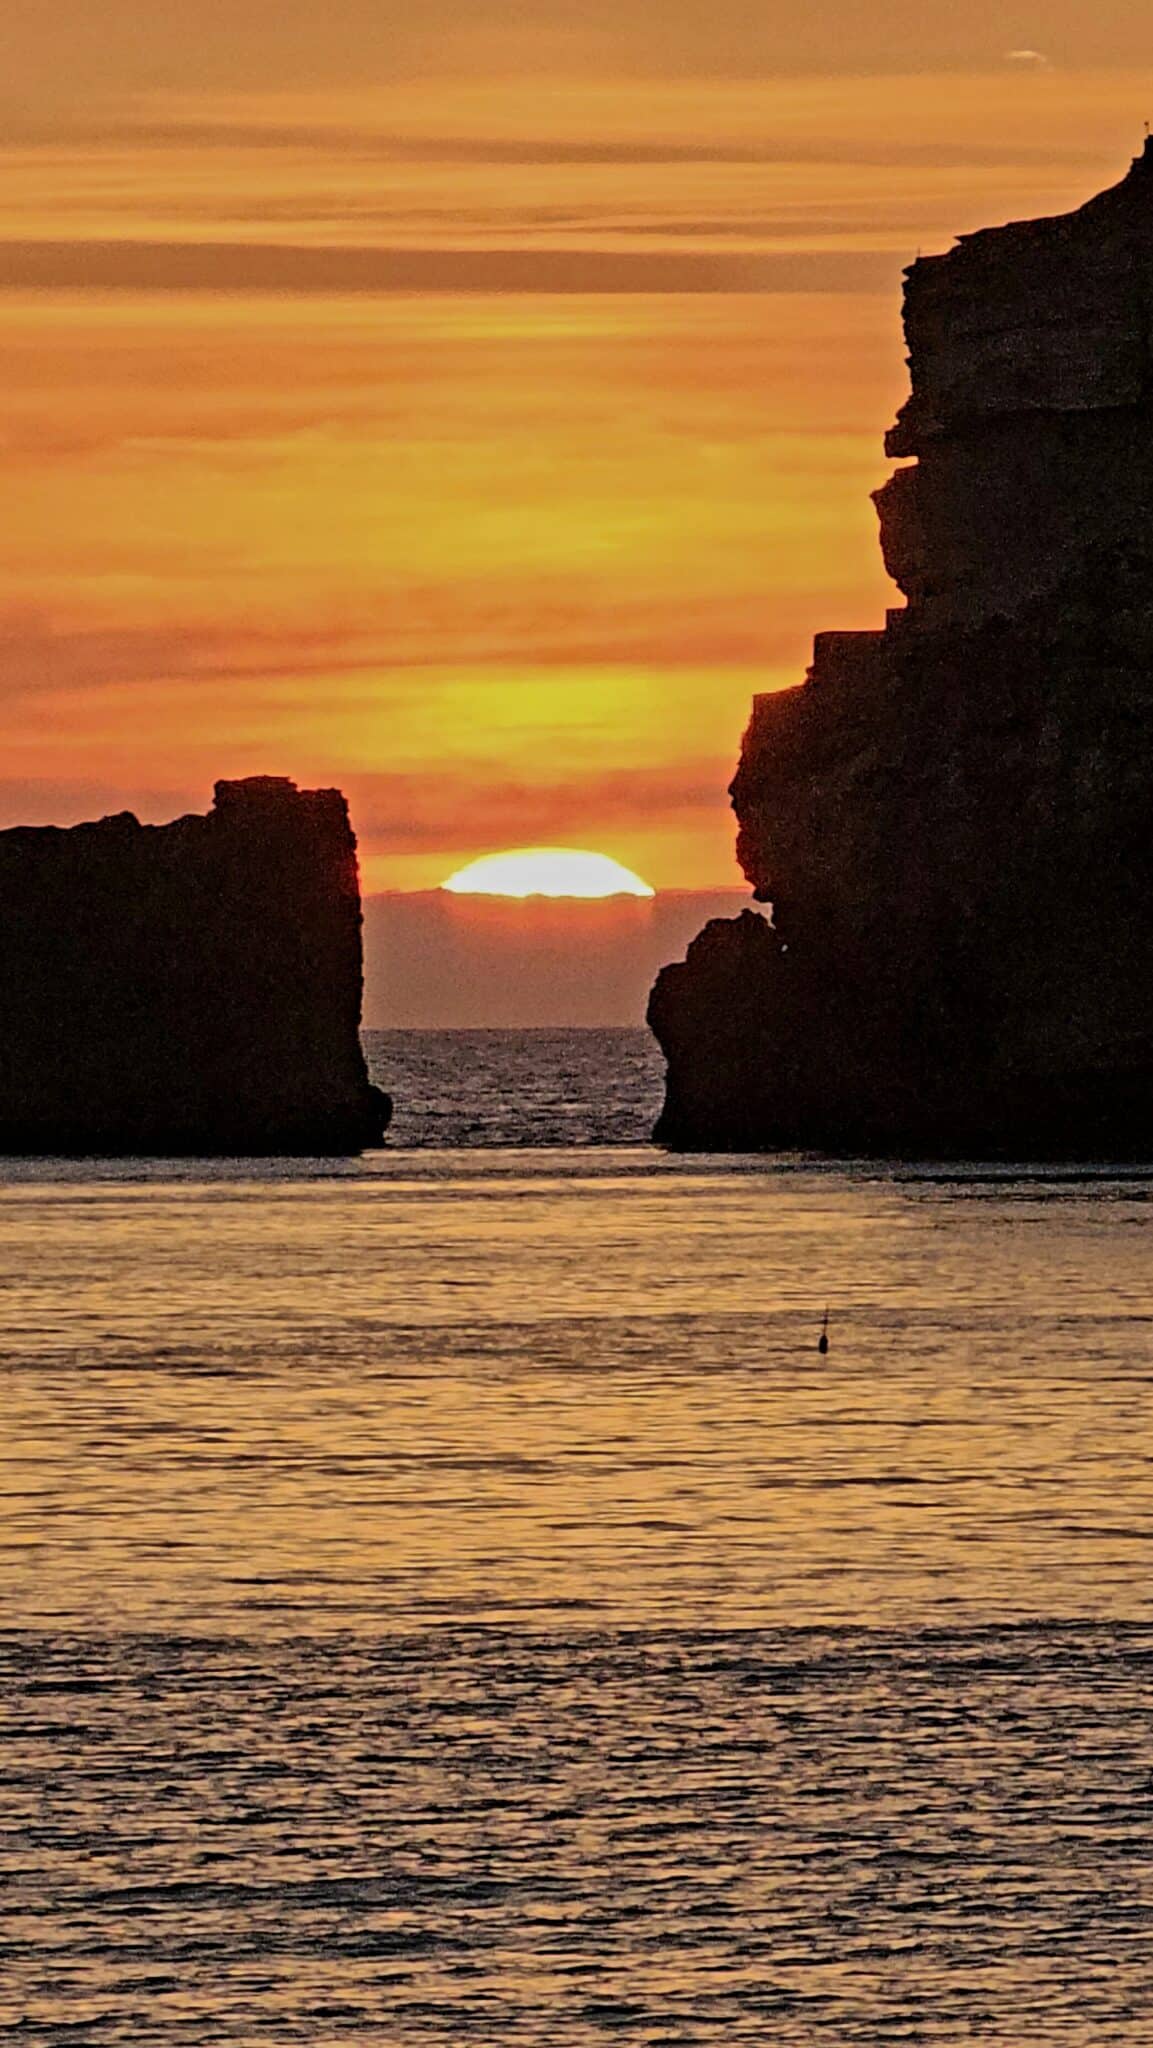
[450,1601]
[442,1388]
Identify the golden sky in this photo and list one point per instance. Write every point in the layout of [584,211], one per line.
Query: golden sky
[475,410]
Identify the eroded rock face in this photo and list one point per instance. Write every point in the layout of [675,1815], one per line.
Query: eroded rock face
[952,818]
[1029,415]
[186,988]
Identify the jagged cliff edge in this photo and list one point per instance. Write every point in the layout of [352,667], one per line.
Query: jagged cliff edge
[951,818]
[192,988]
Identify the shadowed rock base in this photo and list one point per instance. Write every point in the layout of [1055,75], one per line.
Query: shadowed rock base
[952,818]
[956,840]
[191,988]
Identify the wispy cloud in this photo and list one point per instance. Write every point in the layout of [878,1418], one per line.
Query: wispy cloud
[256,268]
[130,131]
[468,807]
[531,629]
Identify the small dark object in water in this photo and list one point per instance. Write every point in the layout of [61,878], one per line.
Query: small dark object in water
[823,1339]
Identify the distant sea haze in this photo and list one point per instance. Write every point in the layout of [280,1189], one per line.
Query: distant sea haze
[439,961]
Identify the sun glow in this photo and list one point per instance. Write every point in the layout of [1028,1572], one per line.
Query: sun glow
[546,871]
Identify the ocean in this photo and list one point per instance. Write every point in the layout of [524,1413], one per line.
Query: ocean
[527,1089]
[449,1599]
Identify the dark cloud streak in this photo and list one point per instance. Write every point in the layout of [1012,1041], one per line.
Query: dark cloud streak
[379,146]
[294,271]
[38,663]
[463,807]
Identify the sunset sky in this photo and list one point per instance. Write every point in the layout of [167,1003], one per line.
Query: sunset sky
[473,405]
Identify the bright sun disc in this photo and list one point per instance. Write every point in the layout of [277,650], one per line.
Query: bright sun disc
[546,871]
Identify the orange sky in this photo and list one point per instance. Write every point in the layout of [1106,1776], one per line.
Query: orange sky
[476,421]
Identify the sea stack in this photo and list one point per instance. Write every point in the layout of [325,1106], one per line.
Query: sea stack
[192,988]
[952,818]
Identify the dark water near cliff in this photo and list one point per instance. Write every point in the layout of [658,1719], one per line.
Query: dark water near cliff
[448,1599]
[523,1088]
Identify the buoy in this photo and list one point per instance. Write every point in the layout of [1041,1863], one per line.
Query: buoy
[823,1340]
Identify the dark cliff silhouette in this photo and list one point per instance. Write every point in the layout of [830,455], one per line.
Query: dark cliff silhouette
[186,988]
[951,818]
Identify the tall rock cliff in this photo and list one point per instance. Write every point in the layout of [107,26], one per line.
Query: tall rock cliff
[952,819]
[186,988]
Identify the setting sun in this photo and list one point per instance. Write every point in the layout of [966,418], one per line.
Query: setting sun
[546,871]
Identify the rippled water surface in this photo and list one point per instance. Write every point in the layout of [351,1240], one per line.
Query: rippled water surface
[519,1088]
[447,1598]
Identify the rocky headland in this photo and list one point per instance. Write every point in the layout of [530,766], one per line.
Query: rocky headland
[952,818]
[192,988]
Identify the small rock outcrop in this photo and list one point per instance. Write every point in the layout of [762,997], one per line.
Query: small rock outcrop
[191,988]
[952,819]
